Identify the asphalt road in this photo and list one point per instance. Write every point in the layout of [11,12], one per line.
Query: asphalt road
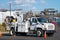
[22,37]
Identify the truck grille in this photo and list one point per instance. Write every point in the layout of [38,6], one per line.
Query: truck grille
[50,27]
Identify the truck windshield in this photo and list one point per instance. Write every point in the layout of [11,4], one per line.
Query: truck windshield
[42,20]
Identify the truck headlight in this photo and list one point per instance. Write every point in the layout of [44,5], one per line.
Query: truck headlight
[45,27]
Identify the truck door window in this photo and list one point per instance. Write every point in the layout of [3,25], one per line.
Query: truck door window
[34,20]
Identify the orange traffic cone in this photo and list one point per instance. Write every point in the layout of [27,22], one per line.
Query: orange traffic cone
[45,36]
[0,33]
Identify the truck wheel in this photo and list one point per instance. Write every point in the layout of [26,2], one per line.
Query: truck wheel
[39,33]
[12,32]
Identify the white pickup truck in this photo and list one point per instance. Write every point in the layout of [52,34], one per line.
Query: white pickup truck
[35,25]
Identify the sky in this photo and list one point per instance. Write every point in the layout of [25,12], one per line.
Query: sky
[30,4]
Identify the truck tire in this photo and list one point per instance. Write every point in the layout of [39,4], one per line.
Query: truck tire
[12,32]
[39,33]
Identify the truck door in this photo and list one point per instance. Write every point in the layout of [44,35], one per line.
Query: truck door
[34,23]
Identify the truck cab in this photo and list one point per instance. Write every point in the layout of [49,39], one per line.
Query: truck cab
[40,25]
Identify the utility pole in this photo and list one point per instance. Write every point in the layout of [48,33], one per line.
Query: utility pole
[10,8]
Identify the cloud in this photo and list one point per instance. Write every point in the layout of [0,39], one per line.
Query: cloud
[24,2]
[11,2]
[25,5]
[28,2]
[18,1]
[33,1]
[43,1]
[33,8]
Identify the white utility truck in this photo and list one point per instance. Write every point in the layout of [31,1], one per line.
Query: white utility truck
[33,25]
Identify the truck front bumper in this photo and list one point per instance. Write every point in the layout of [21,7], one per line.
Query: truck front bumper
[50,31]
